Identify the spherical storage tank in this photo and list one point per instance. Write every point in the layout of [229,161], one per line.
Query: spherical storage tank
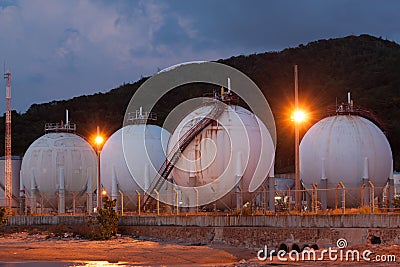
[348,149]
[59,163]
[130,159]
[229,158]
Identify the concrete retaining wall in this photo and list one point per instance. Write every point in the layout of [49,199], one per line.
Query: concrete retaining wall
[293,221]
[244,231]
[258,237]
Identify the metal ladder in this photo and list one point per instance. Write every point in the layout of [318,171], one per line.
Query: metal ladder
[176,151]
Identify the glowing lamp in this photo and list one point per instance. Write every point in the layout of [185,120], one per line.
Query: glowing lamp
[299,116]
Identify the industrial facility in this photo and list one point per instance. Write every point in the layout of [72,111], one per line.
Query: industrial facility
[220,158]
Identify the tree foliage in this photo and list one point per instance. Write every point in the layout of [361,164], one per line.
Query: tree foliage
[364,65]
[105,224]
[3,212]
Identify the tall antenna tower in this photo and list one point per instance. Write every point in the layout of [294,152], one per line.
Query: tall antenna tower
[8,168]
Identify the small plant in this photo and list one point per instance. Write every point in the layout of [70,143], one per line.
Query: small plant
[3,212]
[105,224]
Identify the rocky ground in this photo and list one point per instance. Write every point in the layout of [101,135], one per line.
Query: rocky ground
[43,246]
[47,246]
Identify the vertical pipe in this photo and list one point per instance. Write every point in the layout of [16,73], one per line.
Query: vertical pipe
[324,185]
[89,191]
[158,201]
[229,85]
[61,191]
[33,192]
[122,202]
[391,190]
[239,172]
[66,118]
[114,187]
[362,195]
[365,179]
[22,198]
[176,200]
[138,196]
[372,192]
[197,199]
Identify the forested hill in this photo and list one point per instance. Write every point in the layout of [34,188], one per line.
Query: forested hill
[367,66]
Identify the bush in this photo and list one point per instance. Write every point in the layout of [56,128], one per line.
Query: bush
[3,212]
[105,224]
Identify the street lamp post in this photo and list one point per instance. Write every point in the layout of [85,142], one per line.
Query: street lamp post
[98,141]
[297,140]
[298,117]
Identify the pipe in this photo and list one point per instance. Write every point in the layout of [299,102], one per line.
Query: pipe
[176,200]
[343,197]
[66,118]
[33,192]
[365,169]
[61,191]
[197,199]
[89,191]
[138,196]
[22,197]
[348,98]
[362,195]
[324,185]
[372,192]
[315,198]
[229,85]
[158,201]
[122,202]
[114,187]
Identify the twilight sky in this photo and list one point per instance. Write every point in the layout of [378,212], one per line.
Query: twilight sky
[58,49]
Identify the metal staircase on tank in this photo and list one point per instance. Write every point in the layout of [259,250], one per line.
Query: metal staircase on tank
[176,151]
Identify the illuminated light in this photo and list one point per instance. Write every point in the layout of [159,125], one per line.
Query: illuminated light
[104,192]
[99,140]
[299,116]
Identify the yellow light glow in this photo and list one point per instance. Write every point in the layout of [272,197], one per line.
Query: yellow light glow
[299,116]
[104,192]
[99,140]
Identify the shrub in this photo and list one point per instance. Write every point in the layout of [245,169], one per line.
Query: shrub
[105,224]
[3,212]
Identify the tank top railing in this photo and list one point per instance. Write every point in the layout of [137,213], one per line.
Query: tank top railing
[179,147]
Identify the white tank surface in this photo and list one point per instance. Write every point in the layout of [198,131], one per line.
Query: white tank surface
[225,160]
[348,149]
[59,163]
[16,168]
[130,159]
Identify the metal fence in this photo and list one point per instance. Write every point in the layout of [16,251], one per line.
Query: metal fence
[366,199]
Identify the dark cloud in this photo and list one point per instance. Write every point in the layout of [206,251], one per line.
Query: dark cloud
[60,49]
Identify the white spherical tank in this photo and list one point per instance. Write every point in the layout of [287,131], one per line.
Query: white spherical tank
[59,164]
[348,149]
[130,159]
[230,157]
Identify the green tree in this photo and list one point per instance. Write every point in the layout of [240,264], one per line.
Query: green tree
[106,222]
[3,212]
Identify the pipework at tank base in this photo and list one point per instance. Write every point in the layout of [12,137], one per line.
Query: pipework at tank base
[279,200]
